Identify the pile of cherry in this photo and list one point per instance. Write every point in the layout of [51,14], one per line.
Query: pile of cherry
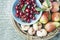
[29,13]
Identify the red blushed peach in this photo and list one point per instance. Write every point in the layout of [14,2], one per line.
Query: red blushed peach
[56,16]
[50,27]
[55,7]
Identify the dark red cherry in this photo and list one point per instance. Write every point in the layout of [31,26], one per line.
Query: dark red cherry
[17,11]
[28,6]
[27,10]
[36,12]
[34,5]
[32,8]
[30,15]
[34,18]
[31,11]
[32,0]
[21,5]
[17,7]
[27,0]
[28,20]
[17,15]
[27,14]
[24,16]
[25,19]
[21,14]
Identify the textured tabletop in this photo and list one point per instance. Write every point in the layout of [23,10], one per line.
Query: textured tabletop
[7,31]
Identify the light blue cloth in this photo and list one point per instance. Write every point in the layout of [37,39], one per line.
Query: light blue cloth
[7,32]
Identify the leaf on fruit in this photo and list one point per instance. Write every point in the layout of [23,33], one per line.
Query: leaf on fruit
[24,7]
[48,2]
[39,9]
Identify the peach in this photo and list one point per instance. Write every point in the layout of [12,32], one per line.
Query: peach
[56,16]
[55,7]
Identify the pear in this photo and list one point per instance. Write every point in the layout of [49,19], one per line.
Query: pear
[51,26]
[44,18]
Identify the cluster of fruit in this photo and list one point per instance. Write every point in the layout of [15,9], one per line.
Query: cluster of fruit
[44,26]
[26,11]
[49,21]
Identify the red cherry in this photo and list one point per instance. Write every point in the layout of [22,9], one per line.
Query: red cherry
[34,18]
[17,11]
[27,0]
[21,14]
[17,7]
[25,19]
[22,17]
[31,11]
[21,5]
[27,10]
[27,14]
[32,0]
[30,15]
[34,5]
[32,8]
[17,15]
[36,12]
[28,20]
[28,6]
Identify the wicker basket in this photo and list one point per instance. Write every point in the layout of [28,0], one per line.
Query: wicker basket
[49,36]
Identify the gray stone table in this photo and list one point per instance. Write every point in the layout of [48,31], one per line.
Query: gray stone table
[7,31]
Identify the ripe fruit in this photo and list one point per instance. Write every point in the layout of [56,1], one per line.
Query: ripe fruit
[30,15]
[55,7]
[41,33]
[21,5]
[37,26]
[50,27]
[25,27]
[28,20]
[34,18]
[27,10]
[17,7]
[44,18]
[31,31]
[46,7]
[17,15]
[56,16]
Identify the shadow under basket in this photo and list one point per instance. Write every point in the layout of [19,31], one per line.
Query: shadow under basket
[49,36]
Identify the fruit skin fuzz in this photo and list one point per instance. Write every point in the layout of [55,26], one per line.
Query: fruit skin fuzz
[56,16]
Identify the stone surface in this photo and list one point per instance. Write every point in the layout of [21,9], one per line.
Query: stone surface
[7,32]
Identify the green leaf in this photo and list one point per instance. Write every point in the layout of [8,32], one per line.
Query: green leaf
[39,9]
[24,7]
[48,2]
